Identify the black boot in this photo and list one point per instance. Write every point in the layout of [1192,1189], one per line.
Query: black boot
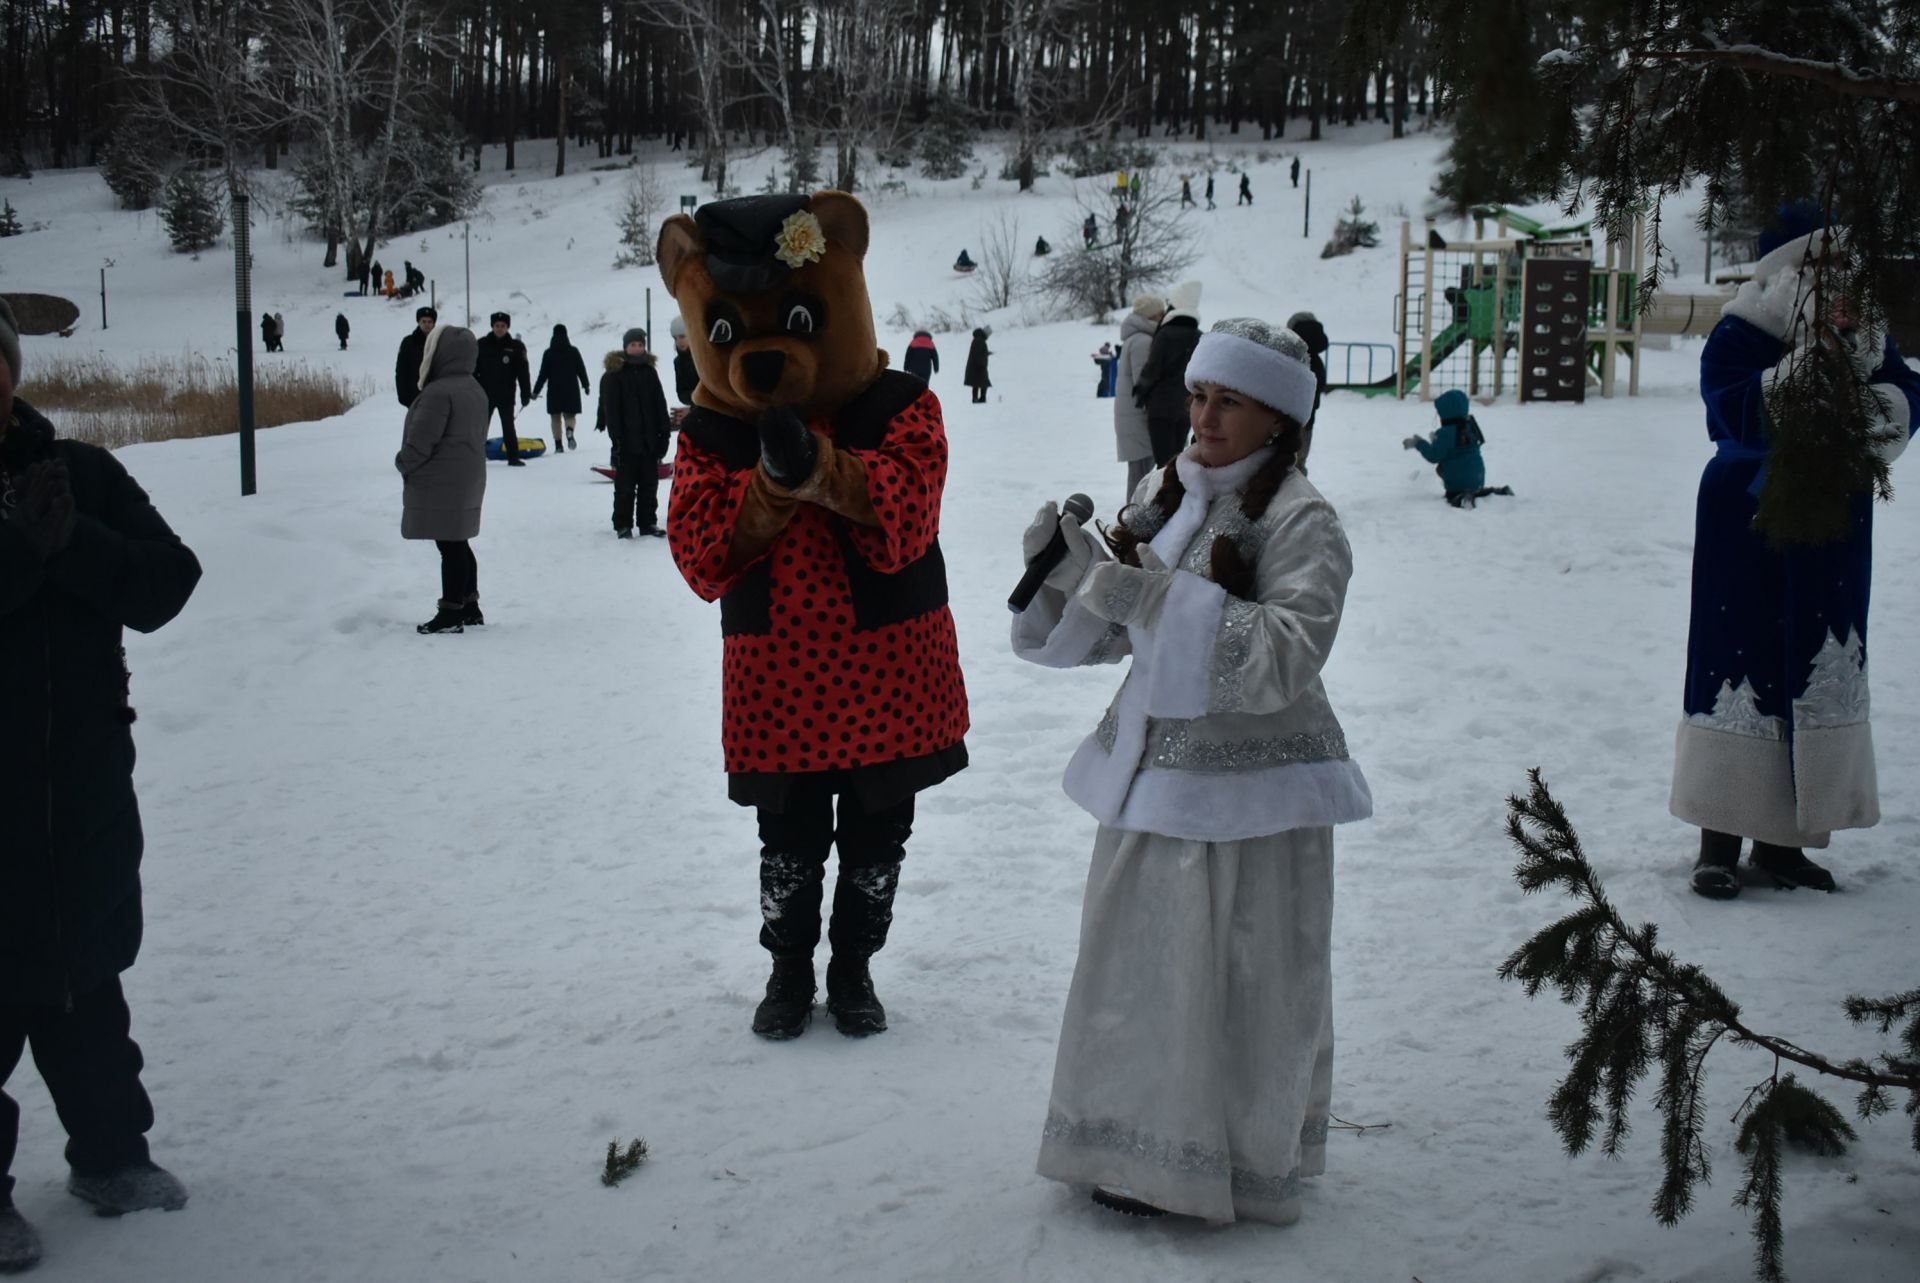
[784,1012]
[1716,874]
[1789,867]
[447,619]
[856,1008]
[470,615]
[19,1245]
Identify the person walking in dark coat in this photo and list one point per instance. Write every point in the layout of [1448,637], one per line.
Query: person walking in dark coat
[83,555]
[1246,190]
[561,366]
[361,279]
[1296,176]
[379,278]
[443,469]
[1209,191]
[341,329]
[502,371]
[686,376]
[406,367]
[266,331]
[921,361]
[977,366]
[1186,191]
[633,413]
[1161,389]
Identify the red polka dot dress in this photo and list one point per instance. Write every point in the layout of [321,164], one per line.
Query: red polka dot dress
[840,651]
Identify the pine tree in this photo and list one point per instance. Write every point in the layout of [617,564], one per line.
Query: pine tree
[1643,1012]
[135,160]
[10,221]
[191,212]
[637,233]
[1352,231]
[946,144]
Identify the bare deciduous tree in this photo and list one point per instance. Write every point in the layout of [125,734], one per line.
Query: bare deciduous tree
[998,279]
[1150,245]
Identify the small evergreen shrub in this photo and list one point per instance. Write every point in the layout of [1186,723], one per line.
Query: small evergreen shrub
[191,210]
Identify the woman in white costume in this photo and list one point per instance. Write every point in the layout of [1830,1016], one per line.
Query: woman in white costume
[1196,1057]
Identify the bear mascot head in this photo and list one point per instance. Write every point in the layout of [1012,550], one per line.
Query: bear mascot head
[774,296]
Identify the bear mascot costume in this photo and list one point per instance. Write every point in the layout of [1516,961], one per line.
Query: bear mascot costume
[806,500]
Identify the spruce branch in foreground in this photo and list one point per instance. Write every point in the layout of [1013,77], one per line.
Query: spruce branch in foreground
[1644,1012]
[622,1165]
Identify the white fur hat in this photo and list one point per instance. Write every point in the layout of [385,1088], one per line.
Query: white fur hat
[1185,297]
[1266,362]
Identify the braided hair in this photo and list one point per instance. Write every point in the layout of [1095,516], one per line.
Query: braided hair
[1228,566]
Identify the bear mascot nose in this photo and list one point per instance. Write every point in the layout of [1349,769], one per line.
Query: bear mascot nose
[763,369]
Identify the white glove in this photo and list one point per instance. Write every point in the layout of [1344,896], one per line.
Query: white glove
[1866,349]
[1067,574]
[1407,443]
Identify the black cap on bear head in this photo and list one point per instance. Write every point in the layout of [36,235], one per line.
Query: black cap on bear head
[741,240]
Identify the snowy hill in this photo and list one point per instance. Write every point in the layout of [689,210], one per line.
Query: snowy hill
[431,920]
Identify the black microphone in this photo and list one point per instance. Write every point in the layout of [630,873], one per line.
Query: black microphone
[1077,506]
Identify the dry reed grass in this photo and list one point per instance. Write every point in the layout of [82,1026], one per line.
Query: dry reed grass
[93,399]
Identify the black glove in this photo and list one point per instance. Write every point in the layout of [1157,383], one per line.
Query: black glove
[787,449]
[45,513]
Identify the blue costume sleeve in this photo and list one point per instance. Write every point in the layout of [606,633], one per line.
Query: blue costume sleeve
[1737,354]
[1436,448]
[1896,372]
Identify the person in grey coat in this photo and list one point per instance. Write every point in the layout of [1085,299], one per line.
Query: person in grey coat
[443,466]
[1135,444]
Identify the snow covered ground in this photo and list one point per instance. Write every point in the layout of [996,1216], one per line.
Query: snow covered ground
[431,920]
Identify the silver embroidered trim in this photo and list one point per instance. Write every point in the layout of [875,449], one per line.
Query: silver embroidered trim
[1102,649]
[1228,678]
[1836,693]
[1223,518]
[1124,597]
[1172,745]
[1736,710]
[1189,1158]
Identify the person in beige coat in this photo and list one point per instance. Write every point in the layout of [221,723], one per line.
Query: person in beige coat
[443,468]
[1134,444]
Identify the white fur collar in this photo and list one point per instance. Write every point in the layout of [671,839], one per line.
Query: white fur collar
[1204,485]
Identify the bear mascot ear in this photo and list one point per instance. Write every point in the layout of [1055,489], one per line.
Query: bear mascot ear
[682,242]
[843,219]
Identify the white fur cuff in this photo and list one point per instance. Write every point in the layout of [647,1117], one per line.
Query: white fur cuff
[1253,369]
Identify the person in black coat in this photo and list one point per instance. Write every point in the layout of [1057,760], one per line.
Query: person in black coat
[266,330]
[561,365]
[341,329]
[633,413]
[379,278]
[922,360]
[1162,387]
[502,372]
[977,367]
[83,554]
[406,366]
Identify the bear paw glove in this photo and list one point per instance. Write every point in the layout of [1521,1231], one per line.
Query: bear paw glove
[1066,575]
[787,448]
[1408,443]
[1124,594]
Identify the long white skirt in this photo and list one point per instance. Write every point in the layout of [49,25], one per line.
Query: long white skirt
[1196,1058]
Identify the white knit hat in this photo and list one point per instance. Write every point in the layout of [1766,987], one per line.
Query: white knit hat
[1266,362]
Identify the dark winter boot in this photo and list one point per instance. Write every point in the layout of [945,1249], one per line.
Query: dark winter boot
[856,1008]
[788,1006]
[1789,867]
[19,1244]
[571,443]
[470,615]
[447,619]
[137,1187]
[1716,874]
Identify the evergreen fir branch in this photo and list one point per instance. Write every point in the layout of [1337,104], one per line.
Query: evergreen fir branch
[1644,1011]
[621,1165]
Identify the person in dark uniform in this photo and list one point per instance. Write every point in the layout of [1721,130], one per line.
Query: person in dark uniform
[413,348]
[633,411]
[503,371]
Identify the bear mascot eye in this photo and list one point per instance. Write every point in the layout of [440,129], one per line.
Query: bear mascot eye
[799,319]
[721,332]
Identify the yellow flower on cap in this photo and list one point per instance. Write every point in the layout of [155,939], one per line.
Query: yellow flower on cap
[801,239]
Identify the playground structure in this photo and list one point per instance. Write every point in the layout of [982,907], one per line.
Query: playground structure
[1460,318]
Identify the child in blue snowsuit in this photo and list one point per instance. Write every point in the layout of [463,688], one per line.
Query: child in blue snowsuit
[1454,452]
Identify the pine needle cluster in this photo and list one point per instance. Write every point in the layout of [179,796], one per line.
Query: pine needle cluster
[622,1164]
[1645,1013]
[1823,438]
